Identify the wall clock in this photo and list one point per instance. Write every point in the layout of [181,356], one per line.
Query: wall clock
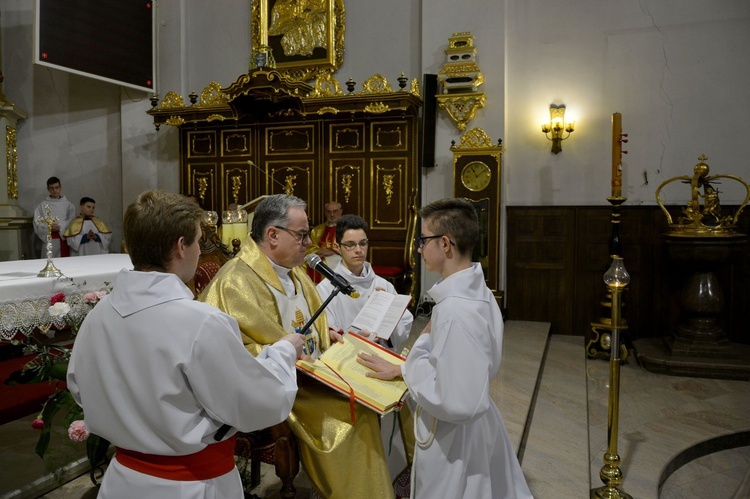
[476,176]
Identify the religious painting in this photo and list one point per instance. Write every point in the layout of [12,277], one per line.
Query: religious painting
[305,38]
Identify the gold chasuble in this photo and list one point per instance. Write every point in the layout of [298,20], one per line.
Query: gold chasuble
[341,458]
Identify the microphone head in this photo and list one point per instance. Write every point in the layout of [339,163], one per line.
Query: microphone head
[312,260]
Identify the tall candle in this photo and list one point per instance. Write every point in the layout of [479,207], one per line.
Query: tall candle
[616,155]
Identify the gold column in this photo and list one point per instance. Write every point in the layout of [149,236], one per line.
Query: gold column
[616,279]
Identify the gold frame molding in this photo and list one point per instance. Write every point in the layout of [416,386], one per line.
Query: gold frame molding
[301,66]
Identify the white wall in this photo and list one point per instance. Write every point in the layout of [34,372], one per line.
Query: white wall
[677,70]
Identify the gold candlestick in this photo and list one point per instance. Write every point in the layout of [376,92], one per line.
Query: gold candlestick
[49,270]
[616,279]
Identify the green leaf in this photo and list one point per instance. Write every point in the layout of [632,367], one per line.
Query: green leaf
[59,371]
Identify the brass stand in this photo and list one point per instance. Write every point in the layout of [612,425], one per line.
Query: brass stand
[610,474]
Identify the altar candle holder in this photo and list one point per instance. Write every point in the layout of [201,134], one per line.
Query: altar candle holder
[616,279]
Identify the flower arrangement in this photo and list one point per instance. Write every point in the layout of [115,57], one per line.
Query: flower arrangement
[50,364]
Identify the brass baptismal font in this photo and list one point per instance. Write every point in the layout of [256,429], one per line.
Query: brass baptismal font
[701,242]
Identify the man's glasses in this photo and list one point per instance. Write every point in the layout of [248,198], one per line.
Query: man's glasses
[350,245]
[422,240]
[299,235]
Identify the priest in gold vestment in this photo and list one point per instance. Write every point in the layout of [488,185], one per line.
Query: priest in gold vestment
[269,294]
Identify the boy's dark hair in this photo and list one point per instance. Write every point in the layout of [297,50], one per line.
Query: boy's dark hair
[350,222]
[455,218]
[53,180]
[85,200]
[153,223]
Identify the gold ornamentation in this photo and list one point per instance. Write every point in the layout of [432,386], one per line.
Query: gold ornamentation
[461,107]
[215,117]
[328,109]
[302,28]
[289,184]
[476,138]
[705,220]
[212,96]
[377,108]
[376,84]
[236,185]
[388,188]
[415,87]
[172,100]
[346,185]
[326,86]
[175,121]
[202,188]
[11,153]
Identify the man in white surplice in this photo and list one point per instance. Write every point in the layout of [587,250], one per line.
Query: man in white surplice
[462,447]
[165,378]
[59,208]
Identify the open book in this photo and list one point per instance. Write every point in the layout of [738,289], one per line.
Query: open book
[340,361]
[381,314]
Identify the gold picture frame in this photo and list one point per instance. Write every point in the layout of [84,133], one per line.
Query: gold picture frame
[306,37]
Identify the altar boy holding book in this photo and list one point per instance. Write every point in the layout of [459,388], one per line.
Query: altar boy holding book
[463,449]
[351,243]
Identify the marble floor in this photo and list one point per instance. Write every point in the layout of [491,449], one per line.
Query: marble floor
[674,432]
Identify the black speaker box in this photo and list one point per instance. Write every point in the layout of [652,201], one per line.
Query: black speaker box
[428,121]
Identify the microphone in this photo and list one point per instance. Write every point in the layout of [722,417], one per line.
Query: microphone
[314,262]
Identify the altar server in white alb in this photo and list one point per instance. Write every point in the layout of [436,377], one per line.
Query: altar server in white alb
[87,234]
[60,208]
[352,243]
[463,449]
[165,378]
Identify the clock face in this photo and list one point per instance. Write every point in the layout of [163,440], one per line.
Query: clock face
[476,176]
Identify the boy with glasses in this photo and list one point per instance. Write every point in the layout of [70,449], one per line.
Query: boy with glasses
[463,449]
[352,244]
[60,208]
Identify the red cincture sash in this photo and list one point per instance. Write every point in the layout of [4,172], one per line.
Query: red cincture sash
[213,461]
[64,248]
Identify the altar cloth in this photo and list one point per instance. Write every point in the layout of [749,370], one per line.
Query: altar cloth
[24,297]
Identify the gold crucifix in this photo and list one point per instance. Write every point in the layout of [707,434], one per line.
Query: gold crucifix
[49,270]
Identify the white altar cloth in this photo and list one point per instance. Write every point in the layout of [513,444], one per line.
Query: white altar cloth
[24,297]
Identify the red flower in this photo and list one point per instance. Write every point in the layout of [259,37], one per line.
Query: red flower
[38,424]
[57,298]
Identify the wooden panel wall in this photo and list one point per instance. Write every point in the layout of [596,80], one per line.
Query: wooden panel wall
[558,255]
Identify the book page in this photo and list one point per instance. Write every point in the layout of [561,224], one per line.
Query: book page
[342,357]
[381,314]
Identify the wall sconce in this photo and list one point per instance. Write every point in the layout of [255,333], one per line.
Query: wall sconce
[556,126]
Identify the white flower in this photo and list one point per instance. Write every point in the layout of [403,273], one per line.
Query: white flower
[59,310]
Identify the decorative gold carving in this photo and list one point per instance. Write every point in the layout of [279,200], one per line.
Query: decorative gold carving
[202,188]
[388,188]
[706,220]
[395,131]
[328,109]
[236,143]
[461,107]
[339,145]
[415,87]
[215,117]
[346,186]
[273,134]
[377,108]
[175,121]
[325,86]
[201,145]
[376,84]
[172,100]
[236,185]
[212,95]
[11,153]
[283,112]
[302,28]
[476,138]
[289,184]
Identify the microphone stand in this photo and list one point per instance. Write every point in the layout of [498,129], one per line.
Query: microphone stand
[336,290]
